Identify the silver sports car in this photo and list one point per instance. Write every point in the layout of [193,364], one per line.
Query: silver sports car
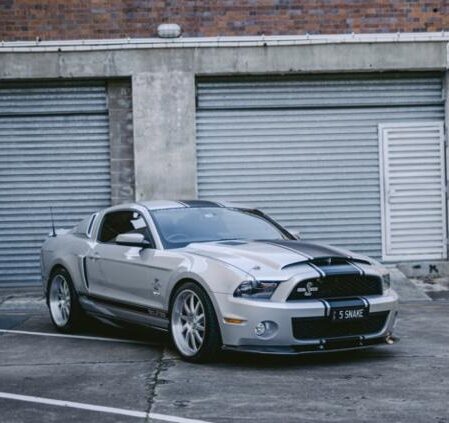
[216,276]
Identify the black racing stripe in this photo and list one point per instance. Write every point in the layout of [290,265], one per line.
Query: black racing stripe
[310,249]
[347,303]
[198,203]
[338,269]
[317,269]
[362,272]
[285,247]
[365,300]
[326,307]
[150,311]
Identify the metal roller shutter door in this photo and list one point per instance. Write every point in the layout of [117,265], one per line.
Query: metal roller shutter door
[54,151]
[306,151]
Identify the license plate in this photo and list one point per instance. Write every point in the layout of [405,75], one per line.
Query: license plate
[349,313]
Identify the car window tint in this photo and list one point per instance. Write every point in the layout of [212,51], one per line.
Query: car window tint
[122,222]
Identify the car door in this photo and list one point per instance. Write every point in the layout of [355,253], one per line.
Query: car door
[121,273]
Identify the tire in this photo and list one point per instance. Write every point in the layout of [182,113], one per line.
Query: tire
[62,300]
[183,321]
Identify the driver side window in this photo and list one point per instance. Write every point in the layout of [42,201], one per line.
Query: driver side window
[122,222]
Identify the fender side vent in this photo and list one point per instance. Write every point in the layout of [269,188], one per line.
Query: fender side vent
[84,269]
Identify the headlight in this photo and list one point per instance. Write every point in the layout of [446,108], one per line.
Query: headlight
[256,289]
[386,282]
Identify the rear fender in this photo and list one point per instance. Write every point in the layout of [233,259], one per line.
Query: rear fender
[65,251]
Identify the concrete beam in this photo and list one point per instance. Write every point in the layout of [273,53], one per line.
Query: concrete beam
[363,57]
[322,58]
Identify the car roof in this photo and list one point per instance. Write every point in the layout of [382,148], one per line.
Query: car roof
[178,204]
[173,204]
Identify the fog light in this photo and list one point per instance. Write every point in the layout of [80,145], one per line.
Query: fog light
[260,329]
[266,329]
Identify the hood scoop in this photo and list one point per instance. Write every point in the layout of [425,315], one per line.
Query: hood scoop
[233,242]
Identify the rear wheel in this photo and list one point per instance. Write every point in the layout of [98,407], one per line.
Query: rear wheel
[65,311]
[193,324]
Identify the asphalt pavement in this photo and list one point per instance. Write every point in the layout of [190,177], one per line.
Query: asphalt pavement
[106,374]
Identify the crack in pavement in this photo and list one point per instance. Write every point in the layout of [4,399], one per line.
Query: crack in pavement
[154,380]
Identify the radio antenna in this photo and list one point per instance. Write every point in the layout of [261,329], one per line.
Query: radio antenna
[52,222]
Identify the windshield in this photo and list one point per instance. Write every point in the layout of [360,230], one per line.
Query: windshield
[179,227]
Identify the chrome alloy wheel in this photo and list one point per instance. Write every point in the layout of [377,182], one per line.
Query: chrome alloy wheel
[188,322]
[60,300]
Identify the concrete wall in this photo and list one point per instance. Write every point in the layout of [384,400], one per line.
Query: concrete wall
[163,90]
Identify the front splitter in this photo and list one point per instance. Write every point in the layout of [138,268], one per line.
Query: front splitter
[329,345]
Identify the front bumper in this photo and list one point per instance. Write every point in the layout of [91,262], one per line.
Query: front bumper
[242,336]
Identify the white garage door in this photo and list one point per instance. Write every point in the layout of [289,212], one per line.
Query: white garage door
[54,152]
[306,150]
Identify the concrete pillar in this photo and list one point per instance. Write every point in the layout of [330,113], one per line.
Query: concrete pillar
[164,135]
[121,140]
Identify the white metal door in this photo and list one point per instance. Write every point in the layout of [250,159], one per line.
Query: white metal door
[412,172]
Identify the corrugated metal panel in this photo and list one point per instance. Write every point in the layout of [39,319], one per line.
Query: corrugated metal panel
[56,97]
[315,170]
[319,93]
[53,155]
[413,191]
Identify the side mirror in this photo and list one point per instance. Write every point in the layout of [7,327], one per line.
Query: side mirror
[132,240]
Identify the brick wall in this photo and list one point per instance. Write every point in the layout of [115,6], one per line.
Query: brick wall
[74,19]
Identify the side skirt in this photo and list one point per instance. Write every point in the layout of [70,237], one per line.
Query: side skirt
[116,311]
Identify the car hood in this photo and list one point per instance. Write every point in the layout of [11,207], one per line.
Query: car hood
[268,257]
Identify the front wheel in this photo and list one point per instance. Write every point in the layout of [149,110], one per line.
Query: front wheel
[65,311]
[193,324]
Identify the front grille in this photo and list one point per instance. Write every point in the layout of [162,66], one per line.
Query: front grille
[337,286]
[323,327]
